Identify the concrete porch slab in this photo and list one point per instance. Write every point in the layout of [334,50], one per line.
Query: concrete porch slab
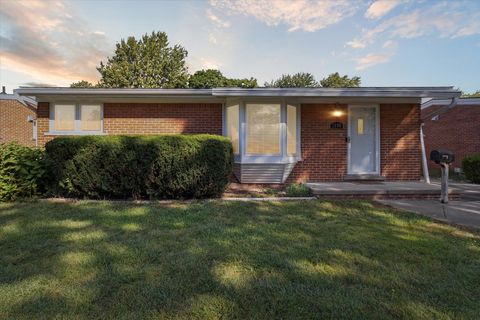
[378,190]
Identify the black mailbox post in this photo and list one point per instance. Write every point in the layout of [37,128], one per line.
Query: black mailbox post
[443,158]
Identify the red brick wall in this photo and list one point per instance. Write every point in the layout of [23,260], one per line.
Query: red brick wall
[155,118]
[13,122]
[400,149]
[324,151]
[42,123]
[457,130]
[150,118]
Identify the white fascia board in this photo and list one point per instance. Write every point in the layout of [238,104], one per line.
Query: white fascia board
[446,102]
[386,92]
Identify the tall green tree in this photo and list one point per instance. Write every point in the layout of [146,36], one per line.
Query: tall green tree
[297,80]
[82,84]
[335,80]
[149,62]
[210,78]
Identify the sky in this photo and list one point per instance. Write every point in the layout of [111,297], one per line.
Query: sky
[385,42]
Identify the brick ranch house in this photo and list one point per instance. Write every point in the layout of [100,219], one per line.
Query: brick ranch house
[278,135]
[17,119]
[456,128]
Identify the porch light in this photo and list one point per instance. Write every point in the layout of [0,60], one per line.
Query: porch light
[337,113]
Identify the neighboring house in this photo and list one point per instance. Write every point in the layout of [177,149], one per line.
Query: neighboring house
[17,119]
[278,135]
[456,129]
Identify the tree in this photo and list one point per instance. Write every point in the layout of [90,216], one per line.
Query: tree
[82,84]
[298,80]
[210,78]
[145,63]
[334,80]
[476,94]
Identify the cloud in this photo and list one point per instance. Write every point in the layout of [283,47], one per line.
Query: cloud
[210,64]
[380,8]
[46,40]
[217,20]
[356,44]
[372,59]
[212,39]
[445,20]
[389,48]
[297,15]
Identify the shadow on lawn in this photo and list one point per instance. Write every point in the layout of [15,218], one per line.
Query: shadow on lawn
[233,260]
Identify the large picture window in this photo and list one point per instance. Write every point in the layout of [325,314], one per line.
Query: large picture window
[263,129]
[76,118]
[232,126]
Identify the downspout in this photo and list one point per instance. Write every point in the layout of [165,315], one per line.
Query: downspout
[426,174]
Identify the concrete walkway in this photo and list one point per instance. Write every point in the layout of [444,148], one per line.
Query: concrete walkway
[377,188]
[464,212]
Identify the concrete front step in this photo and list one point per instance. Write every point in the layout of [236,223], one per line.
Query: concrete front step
[379,190]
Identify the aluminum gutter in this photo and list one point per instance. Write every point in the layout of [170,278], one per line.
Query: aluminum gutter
[383,92]
[446,102]
[116,92]
[378,92]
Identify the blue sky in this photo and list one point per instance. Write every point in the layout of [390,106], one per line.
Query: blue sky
[387,43]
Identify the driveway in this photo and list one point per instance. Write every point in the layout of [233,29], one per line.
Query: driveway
[464,212]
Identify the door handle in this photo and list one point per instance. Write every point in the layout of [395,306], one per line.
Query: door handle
[347,139]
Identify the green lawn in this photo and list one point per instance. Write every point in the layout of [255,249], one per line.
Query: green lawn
[211,260]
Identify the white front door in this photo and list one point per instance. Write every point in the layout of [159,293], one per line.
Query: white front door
[363,155]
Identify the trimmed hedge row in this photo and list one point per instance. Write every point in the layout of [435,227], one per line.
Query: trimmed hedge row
[155,167]
[471,168]
[21,171]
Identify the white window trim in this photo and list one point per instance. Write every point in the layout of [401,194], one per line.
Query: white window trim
[77,131]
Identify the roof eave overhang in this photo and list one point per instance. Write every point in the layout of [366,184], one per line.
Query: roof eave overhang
[443,93]
[220,94]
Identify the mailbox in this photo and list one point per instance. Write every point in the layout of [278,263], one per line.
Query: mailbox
[442,156]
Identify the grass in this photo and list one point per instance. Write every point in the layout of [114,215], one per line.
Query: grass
[222,260]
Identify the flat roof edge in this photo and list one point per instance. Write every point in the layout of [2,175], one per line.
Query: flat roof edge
[388,92]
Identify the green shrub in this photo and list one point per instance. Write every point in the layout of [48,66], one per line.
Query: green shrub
[471,168]
[298,190]
[156,167]
[21,171]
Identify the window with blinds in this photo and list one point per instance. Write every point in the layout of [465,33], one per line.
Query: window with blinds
[64,117]
[263,129]
[90,117]
[232,126]
[291,130]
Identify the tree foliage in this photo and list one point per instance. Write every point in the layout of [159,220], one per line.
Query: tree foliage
[149,62]
[298,80]
[210,78]
[476,94]
[82,84]
[335,80]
